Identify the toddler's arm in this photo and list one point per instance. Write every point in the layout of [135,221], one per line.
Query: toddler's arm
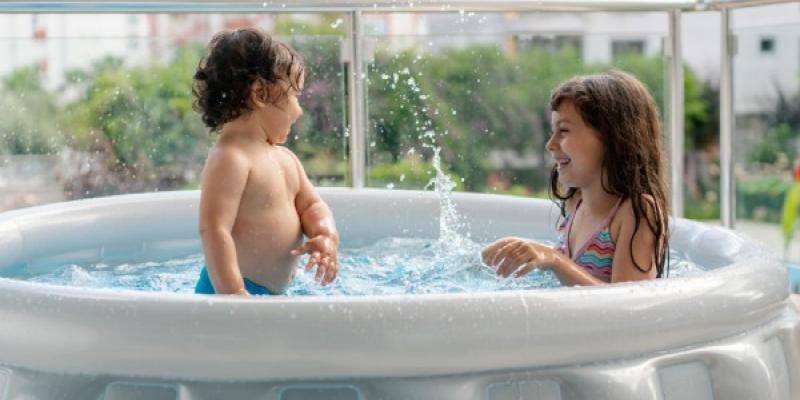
[224,179]
[319,226]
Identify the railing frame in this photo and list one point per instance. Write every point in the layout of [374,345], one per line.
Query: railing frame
[357,104]
[676,111]
[727,122]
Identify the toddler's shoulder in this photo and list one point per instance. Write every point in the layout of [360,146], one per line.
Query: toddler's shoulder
[227,159]
[228,152]
[287,152]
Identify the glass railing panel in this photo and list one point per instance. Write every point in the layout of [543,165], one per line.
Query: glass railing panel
[767,125]
[701,56]
[478,84]
[101,106]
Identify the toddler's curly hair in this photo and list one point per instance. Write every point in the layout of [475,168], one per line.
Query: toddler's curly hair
[235,60]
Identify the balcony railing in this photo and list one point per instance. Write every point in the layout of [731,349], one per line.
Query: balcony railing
[354,58]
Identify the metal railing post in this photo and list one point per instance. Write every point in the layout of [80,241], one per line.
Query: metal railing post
[357,101]
[676,111]
[726,123]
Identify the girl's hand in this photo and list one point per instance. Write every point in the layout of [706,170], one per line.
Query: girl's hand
[323,254]
[519,256]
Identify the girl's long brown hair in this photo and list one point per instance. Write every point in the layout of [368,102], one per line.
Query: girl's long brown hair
[620,108]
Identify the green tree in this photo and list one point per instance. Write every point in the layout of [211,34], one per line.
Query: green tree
[396,117]
[479,98]
[139,120]
[781,137]
[29,124]
[779,141]
[319,138]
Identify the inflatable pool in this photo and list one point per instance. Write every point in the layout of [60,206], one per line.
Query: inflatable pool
[728,333]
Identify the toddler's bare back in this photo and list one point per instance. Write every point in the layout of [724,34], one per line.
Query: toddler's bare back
[267,225]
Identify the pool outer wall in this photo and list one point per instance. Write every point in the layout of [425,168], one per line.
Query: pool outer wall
[65,330]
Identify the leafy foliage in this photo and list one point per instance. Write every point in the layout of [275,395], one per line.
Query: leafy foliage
[29,124]
[132,128]
[139,121]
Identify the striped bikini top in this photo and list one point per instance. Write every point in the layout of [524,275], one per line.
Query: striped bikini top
[597,254]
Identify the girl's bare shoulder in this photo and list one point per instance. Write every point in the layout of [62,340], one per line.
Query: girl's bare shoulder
[626,214]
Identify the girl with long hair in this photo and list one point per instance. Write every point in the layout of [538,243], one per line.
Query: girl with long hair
[608,182]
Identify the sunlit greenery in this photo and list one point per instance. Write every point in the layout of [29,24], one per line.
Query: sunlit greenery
[29,123]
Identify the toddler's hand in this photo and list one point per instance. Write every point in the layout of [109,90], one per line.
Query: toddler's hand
[322,251]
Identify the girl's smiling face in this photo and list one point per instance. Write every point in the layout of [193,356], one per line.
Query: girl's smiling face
[576,148]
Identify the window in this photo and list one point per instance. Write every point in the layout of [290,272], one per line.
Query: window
[620,48]
[767,45]
[551,43]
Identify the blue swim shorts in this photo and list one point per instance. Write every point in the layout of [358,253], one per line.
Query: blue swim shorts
[204,285]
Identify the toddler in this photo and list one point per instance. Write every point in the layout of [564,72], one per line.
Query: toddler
[256,201]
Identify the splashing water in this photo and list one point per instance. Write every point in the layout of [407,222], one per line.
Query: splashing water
[450,222]
[449,263]
[388,266]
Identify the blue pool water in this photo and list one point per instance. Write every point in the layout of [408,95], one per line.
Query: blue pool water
[388,266]
[449,264]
